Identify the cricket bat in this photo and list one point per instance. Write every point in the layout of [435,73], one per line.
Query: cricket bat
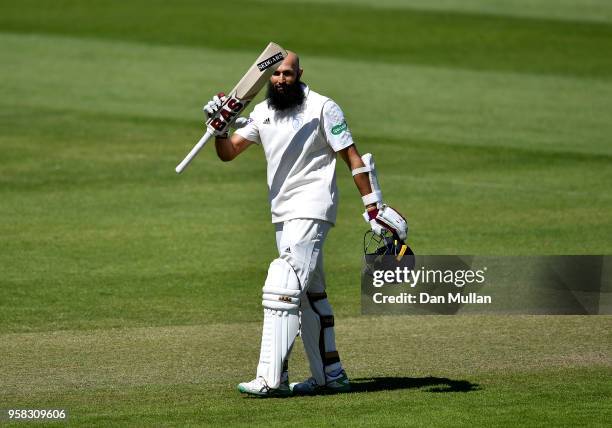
[237,100]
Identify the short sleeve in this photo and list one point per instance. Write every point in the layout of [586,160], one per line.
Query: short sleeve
[250,131]
[337,131]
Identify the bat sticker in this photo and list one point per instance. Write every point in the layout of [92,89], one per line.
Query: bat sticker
[266,63]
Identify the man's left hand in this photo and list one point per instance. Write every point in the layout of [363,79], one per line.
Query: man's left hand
[387,218]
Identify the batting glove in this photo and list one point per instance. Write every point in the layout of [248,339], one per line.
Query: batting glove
[387,218]
[241,122]
[215,104]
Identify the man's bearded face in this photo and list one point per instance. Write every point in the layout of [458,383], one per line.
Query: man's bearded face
[284,96]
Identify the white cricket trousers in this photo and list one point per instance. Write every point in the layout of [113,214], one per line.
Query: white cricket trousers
[304,239]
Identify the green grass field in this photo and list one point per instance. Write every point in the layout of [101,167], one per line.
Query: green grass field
[131,296]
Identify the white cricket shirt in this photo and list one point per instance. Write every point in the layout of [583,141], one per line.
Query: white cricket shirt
[300,145]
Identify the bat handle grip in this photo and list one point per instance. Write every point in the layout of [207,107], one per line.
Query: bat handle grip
[192,154]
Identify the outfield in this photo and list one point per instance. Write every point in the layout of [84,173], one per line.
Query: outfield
[131,295]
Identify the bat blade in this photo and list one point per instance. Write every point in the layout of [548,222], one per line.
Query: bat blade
[243,93]
[247,88]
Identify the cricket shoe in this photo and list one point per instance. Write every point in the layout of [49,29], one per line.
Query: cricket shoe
[334,385]
[259,388]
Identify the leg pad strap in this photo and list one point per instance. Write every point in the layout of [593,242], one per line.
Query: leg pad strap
[331,358]
[327,321]
[315,297]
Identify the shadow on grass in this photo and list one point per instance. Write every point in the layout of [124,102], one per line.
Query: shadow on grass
[432,384]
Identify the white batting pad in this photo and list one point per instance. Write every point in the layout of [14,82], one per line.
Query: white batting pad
[281,301]
[318,336]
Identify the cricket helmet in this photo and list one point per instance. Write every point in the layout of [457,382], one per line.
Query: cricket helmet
[386,252]
[387,244]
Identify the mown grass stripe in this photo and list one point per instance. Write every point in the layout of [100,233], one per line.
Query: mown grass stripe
[484,108]
[462,40]
[570,10]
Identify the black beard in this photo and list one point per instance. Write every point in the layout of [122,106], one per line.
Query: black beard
[292,96]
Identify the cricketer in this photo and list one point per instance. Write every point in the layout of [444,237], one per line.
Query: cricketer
[301,132]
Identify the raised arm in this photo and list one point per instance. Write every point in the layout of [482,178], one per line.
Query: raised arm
[229,148]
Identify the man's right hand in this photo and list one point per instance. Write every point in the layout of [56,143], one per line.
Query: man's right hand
[215,104]
[213,107]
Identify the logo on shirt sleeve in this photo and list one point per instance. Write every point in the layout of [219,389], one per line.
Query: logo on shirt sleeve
[339,129]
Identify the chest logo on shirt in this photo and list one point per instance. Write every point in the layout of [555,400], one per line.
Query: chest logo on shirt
[297,122]
[339,129]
